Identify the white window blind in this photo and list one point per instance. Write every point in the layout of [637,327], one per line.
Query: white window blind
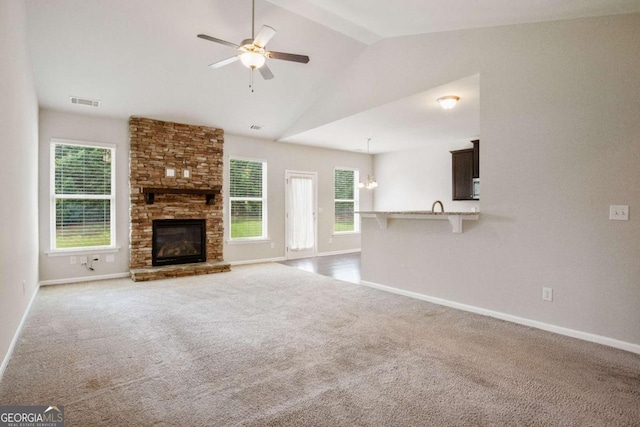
[83,202]
[247,197]
[345,201]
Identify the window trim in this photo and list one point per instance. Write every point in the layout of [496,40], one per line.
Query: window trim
[356,202]
[264,199]
[54,197]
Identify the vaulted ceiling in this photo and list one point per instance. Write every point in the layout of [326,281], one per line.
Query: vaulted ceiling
[143,58]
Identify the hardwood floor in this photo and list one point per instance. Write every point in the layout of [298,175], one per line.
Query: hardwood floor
[344,267]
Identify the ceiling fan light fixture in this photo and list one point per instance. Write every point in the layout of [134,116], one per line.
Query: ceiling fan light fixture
[252,60]
[448,102]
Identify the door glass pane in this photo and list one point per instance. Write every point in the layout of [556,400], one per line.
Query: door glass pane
[301,221]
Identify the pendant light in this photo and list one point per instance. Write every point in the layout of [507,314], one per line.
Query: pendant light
[370,182]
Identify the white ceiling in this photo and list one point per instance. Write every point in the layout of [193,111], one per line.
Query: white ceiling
[368,21]
[142,57]
[405,124]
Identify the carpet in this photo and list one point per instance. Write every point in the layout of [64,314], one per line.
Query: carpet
[270,345]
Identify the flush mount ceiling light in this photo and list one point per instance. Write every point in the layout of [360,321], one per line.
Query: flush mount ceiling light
[370,182]
[448,102]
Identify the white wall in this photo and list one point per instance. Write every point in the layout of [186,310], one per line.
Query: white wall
[19,191]
[281,157]
[414,179]
[55,124]
[560,142]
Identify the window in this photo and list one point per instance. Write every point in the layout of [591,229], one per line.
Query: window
[346,201]
[248,199]
[82,195]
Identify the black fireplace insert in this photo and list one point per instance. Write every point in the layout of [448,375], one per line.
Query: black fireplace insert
[179,241]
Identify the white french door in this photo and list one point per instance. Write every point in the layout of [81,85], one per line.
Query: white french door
[300,214]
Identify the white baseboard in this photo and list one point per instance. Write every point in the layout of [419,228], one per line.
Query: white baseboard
[83,279]
[16,336]
[257,261]
[585,336]
[346,251]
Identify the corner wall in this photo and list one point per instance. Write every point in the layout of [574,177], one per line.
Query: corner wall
[19,190]
[560,142]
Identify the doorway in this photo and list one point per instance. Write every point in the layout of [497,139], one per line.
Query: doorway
[300,214]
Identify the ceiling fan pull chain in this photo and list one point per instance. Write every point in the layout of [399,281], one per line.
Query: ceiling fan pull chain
[251,80]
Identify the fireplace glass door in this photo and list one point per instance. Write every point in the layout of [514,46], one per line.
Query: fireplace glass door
[178,241]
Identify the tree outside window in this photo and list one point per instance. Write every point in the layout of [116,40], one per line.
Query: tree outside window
[247,199]
[345,201]
[83,202]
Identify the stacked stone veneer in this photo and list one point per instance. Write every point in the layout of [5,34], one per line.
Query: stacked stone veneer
[158,145]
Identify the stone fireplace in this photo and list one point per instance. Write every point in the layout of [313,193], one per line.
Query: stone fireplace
[175,175]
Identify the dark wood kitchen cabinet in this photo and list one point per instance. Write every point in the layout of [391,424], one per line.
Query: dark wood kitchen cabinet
[465,167]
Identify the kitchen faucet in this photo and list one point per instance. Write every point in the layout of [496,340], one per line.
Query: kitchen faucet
[437,202]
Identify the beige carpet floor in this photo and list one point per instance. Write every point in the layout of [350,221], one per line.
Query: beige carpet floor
[272,345]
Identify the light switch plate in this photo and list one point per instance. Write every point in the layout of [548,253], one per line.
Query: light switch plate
[619,212]
[171,172]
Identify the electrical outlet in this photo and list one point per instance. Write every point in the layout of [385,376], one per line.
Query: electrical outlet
[186,173]
[273,245]
[73,260]
[110,258]
[83,260]
[619,212]
[547,294]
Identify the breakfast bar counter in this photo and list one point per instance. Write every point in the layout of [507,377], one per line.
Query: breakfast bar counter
[454,218]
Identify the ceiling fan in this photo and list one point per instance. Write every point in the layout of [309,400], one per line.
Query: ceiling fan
[253,50]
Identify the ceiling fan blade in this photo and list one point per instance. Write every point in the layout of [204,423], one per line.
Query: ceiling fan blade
[224,62]
[263,37]
[288,57]
[266,72]
[213,39]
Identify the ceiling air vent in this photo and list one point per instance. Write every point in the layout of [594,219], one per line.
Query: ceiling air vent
[256,127]
[85,101]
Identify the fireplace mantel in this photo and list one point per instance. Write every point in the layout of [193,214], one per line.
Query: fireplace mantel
[209,193]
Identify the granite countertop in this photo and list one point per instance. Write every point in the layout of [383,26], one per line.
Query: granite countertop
[455,218]
[414,213]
